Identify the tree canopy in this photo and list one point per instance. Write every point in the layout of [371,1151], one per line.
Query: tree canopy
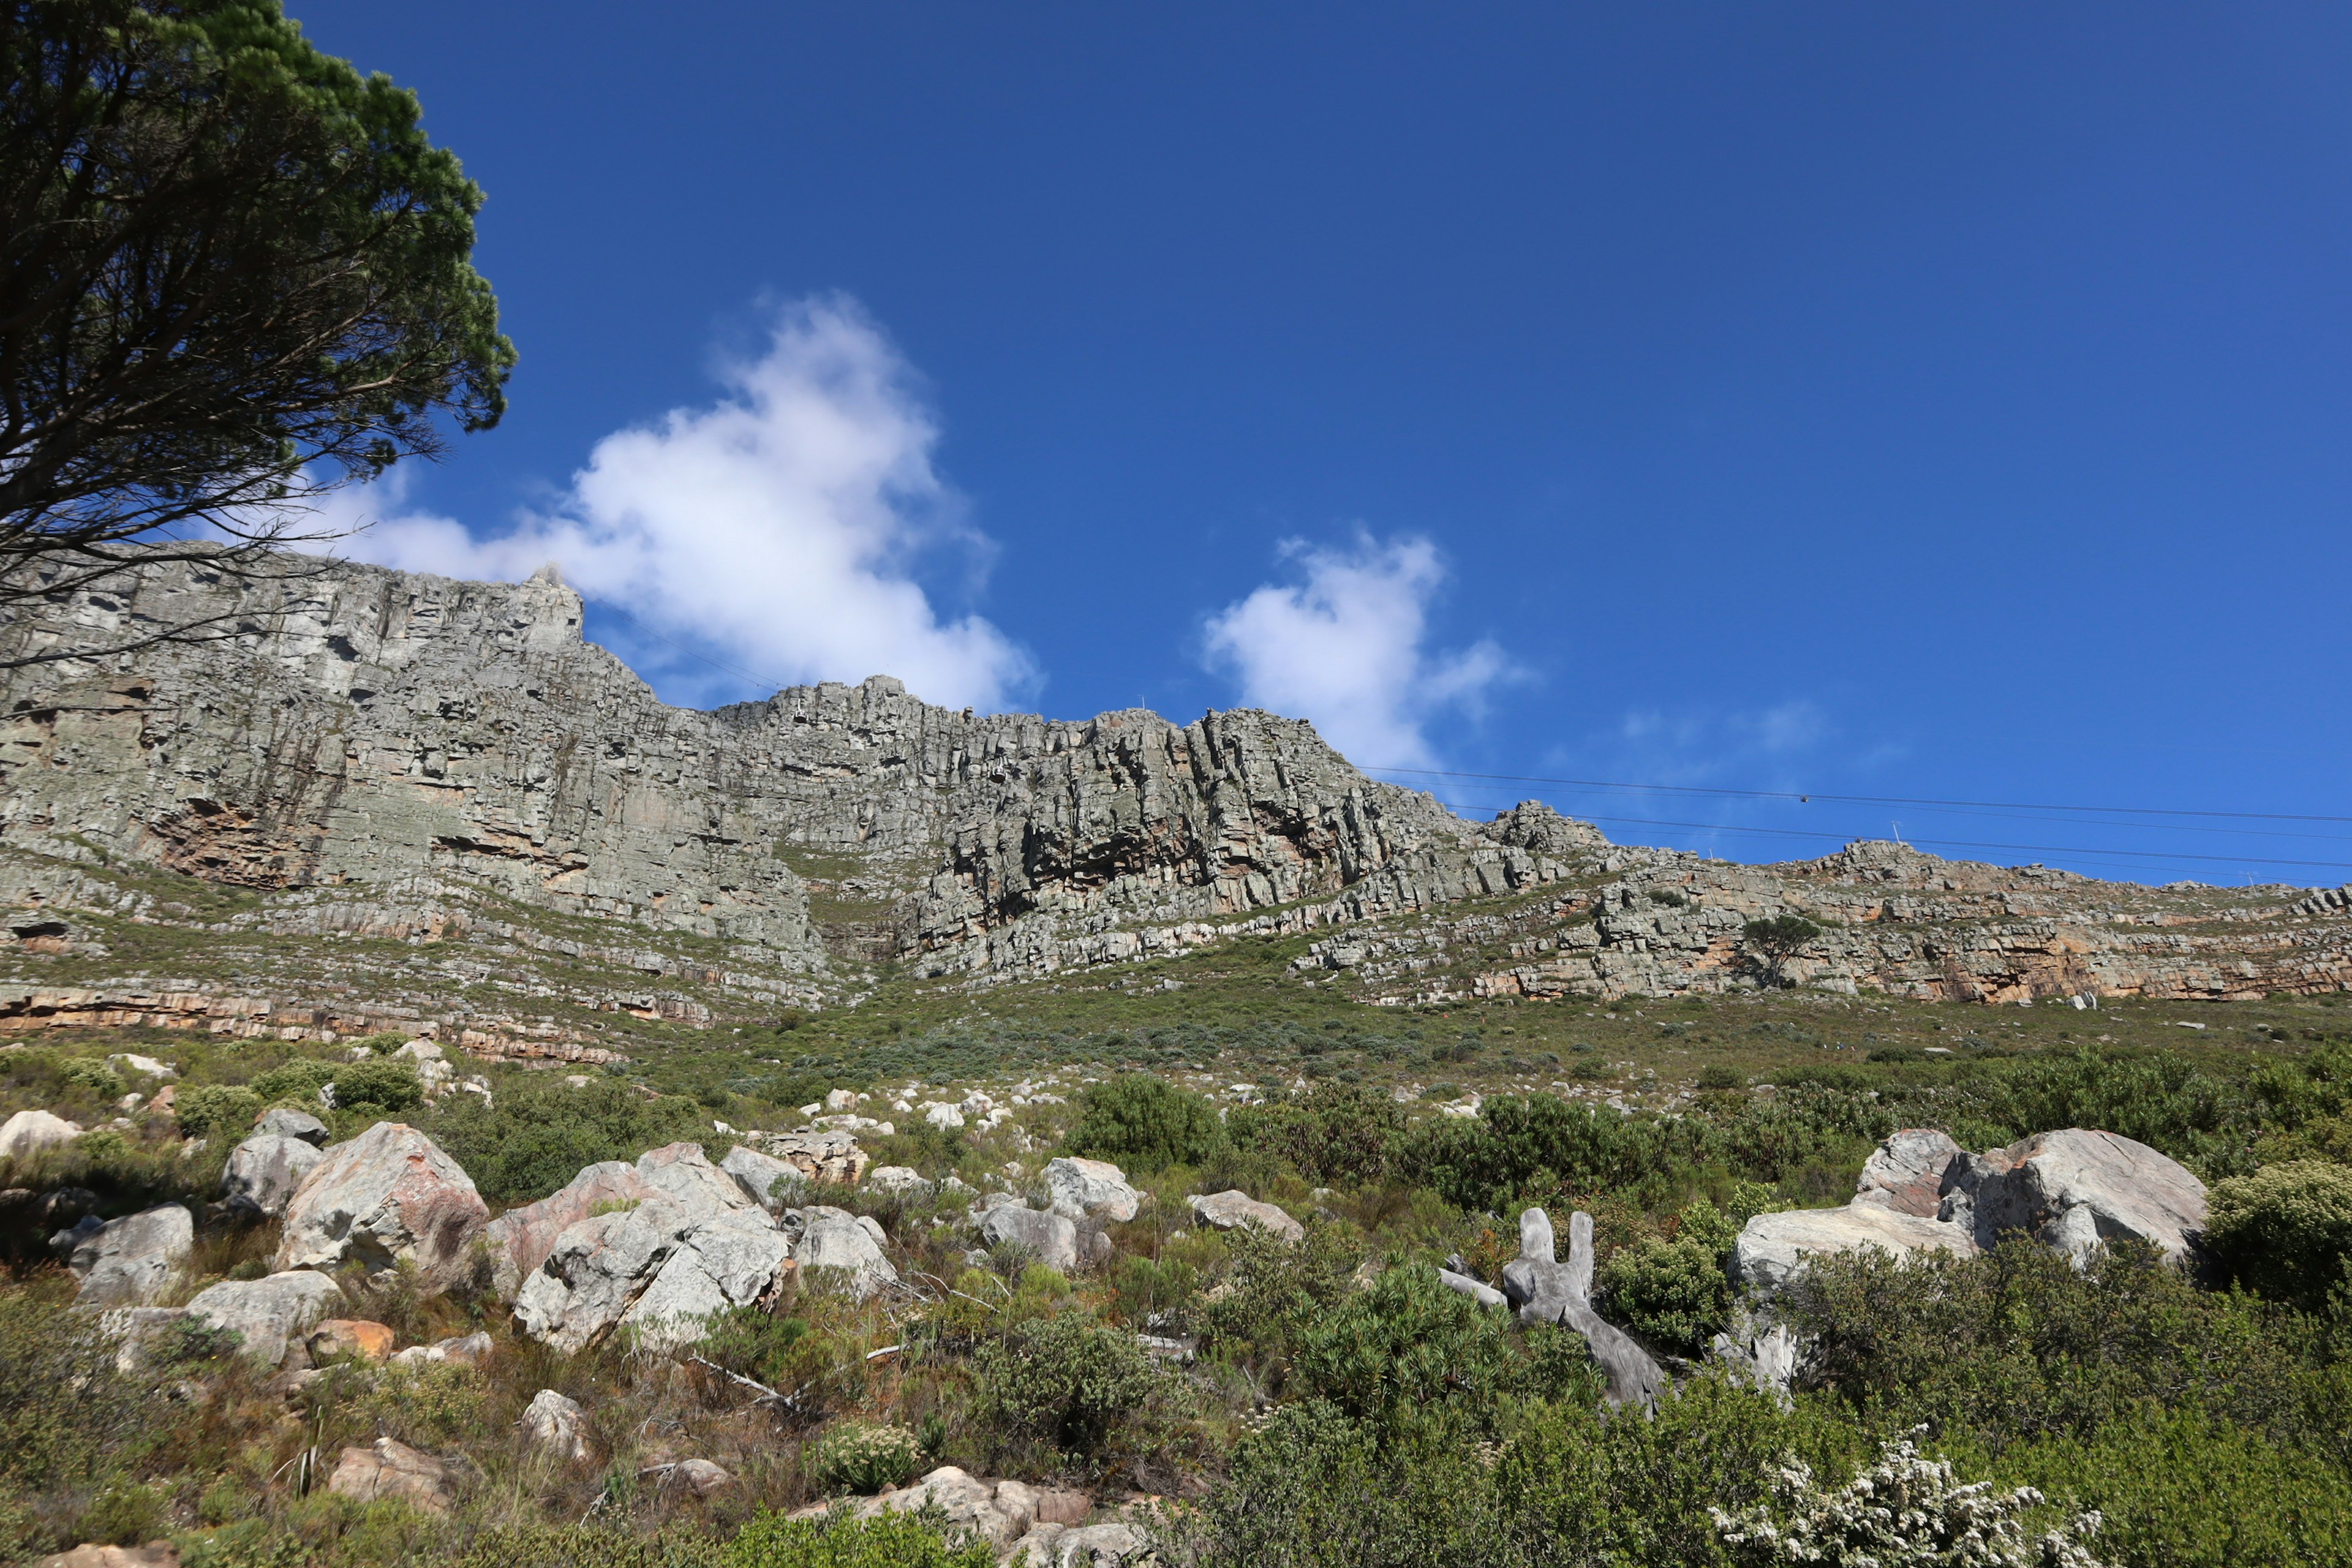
[234,272]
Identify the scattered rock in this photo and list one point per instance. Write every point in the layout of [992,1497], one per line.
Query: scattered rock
[653,1265]
[30,1132]
[131,1262]
[1099,1546]
[1017,1502]
[819,1156]
[394,1470]
[351,1339]
[286,1122]
[264,1172]
[1228,1209]
[940,1114]
[1035,1550]
[135,1330]
[774,1184]
[557,1428]
[468,1351]
[521,1238]
[967,1502]
[390,1196]
[1095,1189]
[736,1259]
[897,1179]
[684,1174]
[1771,1248]
[1052,1238]
[1061,1505]
[145,1067]
[1905,1173]
[700,1476]
[264,1313]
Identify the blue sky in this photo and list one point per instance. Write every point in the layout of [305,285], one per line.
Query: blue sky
[1928,402]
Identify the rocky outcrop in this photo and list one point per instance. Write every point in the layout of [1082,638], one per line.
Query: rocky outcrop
[521,1239]
[264,1313]
[2075,1189]
[387,1197]
[835,1240]
[1772,1247]
[655,1270]
[264,1172]
[350,1339]
[1905,1173]
[285,1121]
[1228,1210]
[1051,1238]
[820,1155]
[132,1261]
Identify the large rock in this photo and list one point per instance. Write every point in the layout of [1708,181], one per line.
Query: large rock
[684,1174]
[1051,1238]
[389,1196]
[1772,1247]
[2075,1189]
[90,1554]
[557,1428]
[393,1470]
[1112,1545]
[657,1268]
[1547,1290]
[1227,1210]
[834,1239]
[1091,1189]
[774,1184]
[131,1262]
[521,1238]
[285,1121]
[821,1155]
[264,1313]
[964,1501]
[30,1132]
[1905,1173]
[264,1172]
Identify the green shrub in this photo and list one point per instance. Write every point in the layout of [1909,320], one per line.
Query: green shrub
[537,1137]
[1273,1291]
[1146,1124]
[856,1458]
[1065,1379]
[377,1085]
[218,1111]
[1407,1345]
[1716,1075]
[1337,1134]
[124,1515]
[888,1541]
[1672,1293]
[95,1078]
[2287,1230]
[384,1043]
[590,1546]
[299,1080]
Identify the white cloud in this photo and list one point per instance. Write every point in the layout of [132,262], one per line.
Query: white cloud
[1344,648]
[775,527]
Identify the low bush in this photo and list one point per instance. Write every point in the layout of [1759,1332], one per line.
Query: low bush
[537,1136]
[298,1081]
[856,1458]
[218,1110]
[1407,1345]
[1671,1293]
[1064,1380]
[1146,1124]
[2287,1230]
[378,1085]
[888,1541]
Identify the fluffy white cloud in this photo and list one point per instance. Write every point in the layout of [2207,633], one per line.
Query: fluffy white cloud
[1343,648]
[774,528]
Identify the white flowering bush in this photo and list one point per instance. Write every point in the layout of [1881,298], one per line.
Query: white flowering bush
[859,1458]
[1904,1512]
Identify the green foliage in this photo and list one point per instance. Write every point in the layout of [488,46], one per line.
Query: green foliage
[428,1407]
[856,1458]
[1146,1124]
[1273,1291]
[892,1539]
[755,1343]
[1718,1074]
[1064,1379]
[383,1044]
[96,1079]
[2287,1230]
[595,1546]
[379,1085]
[537,1136]
[1407,1345]
[1775,940]
[1671,1293]
[198,175]
[299,1082]
[1336,1134]
[218,1111]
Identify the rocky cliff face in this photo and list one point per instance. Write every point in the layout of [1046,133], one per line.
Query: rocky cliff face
[412,742]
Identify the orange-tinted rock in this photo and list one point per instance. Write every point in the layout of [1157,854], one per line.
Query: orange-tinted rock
[351,1339]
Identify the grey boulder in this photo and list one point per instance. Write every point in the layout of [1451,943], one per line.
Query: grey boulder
[1772,1248]
[836,1239]
[521,1238]
[1905,1173]
[30,1132]
[264,1172]
[1228,1210]
[557,1428]
[774,1184]
[132,1261]
[659,1271]
[390,1195]
[2075,1189]
[1051,1238]
[266,1313]
[286,1121]
[1091,1189]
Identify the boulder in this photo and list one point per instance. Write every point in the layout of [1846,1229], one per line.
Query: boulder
[145,1067]
[1062,1505]
[1095,1189]
[774,1184]
[658,1265]
[966,1501]
[684,1174]
[2075,1189]
[264,1313]
[833,1238]
[30,1132]
[393,1470]
[388,1196]
[521,1238]
[1905,1173]
[155,1555]
[136,1330]
[1099,1546]
[350,1339]
[288,1122]
[1771,1248]
[1052,1238]
[819,1156]
[735,1260]
[1228,1209]
[132,1261]
[1546,1290]
[464,1349]
[557,1428]
[264,1172]
[897,1179]
[942,1115]
[701,1477]
[1035,1550]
